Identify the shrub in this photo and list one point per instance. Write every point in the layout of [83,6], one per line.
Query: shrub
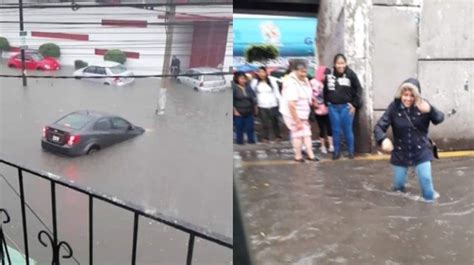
[78,64]
[261,53]
[4,44]
[115,55]
[50,50]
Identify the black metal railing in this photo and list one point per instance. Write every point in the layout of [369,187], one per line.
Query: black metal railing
[50,237]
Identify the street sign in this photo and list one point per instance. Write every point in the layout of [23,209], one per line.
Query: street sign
[23,40]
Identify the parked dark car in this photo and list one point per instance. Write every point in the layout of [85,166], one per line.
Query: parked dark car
[85,132]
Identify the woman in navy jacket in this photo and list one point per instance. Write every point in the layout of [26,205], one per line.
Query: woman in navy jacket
[411,147]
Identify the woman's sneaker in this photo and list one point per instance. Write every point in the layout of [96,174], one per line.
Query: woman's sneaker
[331,148]
[323,149]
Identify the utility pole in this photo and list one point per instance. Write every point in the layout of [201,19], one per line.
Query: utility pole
[166,81]
[23,43]
[170,19]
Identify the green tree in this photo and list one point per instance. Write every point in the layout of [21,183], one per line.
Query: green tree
[4,45]
[115,55]
[50,50]
[261,53]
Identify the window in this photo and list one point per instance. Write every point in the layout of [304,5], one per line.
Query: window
[103,125]
[75,120]
[100,71]
[195,74]
[90,70]
[119,123]
[37,57]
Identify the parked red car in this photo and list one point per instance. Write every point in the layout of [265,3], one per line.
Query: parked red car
[34,61]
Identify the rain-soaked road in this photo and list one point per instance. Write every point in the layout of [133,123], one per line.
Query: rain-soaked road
[343,212]
[177,167]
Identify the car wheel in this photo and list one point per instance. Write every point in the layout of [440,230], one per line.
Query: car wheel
[178,81]
[107,83]
[196,89]
[93,150]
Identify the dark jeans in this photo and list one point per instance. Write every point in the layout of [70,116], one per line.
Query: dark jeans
[270,119]
[341,122]
[324,125]
[244,123]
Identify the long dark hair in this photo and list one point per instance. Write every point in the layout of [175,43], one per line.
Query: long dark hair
[236,77]
[339,56]
[267,80]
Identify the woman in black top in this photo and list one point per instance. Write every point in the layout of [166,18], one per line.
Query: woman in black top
[341,95]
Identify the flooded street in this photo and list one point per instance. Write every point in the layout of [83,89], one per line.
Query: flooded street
[176,168]
[344,212]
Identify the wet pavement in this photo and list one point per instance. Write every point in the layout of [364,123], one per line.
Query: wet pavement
[176,168]
[343,212]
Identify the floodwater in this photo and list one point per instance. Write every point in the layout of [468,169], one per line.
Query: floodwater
[177,168]
[343,212]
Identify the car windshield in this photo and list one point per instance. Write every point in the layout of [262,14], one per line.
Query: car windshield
[37,57]
[213,78]
[118,69]
[75,120]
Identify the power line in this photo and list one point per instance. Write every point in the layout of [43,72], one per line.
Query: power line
[77,6]
[100,23]
[115,76]
[157,12]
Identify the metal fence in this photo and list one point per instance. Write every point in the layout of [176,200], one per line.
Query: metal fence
[51,237]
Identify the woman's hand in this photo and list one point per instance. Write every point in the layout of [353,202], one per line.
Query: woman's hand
[352,109]
[299,125]
[423,106]
[387,145]
[236,113]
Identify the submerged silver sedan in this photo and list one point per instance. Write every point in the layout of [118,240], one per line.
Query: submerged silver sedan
[107,73]
[86,132]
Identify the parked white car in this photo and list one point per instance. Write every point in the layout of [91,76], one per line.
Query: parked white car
[202,82]
[106,70]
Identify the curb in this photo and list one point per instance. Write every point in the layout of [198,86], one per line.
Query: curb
[369,157]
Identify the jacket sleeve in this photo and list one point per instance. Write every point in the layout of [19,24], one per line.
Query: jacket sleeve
[233,92]
[380,130]
[252,94]
[356,96]
[436,116]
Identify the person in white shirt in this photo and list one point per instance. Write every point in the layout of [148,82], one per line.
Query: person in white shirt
[268,98]
[295,107]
